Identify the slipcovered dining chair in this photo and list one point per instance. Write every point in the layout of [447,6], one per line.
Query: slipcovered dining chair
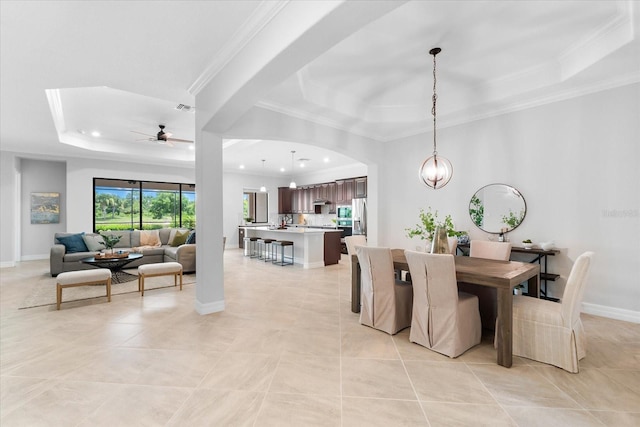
[353,241]
[453,245]
[552,332]
[385,302]
[490,250]
[444,320]
[488,297]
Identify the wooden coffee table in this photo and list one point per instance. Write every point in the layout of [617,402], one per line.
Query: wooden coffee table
[115,265]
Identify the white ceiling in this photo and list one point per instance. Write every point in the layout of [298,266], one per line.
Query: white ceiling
[68,68]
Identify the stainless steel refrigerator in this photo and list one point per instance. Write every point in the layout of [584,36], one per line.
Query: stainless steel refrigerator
[359,216]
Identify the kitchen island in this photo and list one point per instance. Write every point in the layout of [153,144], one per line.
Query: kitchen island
[313,247]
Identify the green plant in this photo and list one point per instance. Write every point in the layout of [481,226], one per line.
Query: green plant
[428,223]
[527,241]
[511,220]
[476,210]
[248,219]
[110,240]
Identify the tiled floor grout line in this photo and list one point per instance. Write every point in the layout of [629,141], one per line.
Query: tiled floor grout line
[413,387]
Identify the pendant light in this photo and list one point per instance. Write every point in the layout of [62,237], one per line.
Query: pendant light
[436,171]
[292,184]
[263,189]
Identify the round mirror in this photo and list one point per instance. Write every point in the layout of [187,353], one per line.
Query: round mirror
[497,208]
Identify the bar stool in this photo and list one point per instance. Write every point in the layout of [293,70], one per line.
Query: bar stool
[284,260]
[247,246]
[264,249]
[253,247]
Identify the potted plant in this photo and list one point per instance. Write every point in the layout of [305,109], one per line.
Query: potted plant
[429,222]
[527,243]
[110,240]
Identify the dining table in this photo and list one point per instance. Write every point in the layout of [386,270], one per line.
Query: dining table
[502,275]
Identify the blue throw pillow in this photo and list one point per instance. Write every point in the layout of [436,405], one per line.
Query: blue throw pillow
[73,243]
[192,238]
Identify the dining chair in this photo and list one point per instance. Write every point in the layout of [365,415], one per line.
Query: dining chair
[488,297]
[444,319]
[353,241]
[453,245]
[490,250]
[552,332]
[385,302]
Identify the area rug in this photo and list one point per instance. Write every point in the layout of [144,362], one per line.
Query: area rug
[44,292]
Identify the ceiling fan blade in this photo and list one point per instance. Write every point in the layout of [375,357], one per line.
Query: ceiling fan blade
[179,140]
[142,133]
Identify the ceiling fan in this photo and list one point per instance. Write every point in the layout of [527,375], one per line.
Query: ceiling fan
[162,137]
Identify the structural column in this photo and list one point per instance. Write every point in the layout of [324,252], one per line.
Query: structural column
[209,256]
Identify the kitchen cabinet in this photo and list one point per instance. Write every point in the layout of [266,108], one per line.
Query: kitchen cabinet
[241,237]
[284,200]
[345,191]
[331,197]
[360,187]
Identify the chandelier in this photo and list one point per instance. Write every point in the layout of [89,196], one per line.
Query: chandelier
[436,171]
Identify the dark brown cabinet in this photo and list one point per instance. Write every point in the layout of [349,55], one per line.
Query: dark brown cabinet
[241,238]
[284,200]
[331,197]
[344,191]
[360,187]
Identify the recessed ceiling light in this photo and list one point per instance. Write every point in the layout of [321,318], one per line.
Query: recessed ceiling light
[191,147]
[95,133]
[326,160]
[281,169]
[241,166]
[301,165]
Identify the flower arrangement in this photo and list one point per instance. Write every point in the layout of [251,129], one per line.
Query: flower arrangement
[428,223]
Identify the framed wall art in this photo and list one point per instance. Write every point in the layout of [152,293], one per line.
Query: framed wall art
[45,208]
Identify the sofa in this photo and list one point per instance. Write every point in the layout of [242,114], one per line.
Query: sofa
[67,258]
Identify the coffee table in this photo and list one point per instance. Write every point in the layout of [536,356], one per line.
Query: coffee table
[115,265]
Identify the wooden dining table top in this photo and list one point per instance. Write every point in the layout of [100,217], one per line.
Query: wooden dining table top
[481,271]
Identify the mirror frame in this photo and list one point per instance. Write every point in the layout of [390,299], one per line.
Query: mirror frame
[474,215]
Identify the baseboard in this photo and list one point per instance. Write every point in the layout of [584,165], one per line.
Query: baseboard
[7,264]
[208,308]
[34,257]
[611,312]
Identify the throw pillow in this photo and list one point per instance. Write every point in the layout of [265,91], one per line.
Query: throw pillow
[149,238]
[180,238]
[94,243]
[191,240]
[73,243]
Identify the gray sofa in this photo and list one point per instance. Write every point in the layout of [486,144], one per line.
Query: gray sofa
[61,261]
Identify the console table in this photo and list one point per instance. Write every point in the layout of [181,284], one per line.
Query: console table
[539,256]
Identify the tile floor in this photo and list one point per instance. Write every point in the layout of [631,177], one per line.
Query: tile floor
[287,351]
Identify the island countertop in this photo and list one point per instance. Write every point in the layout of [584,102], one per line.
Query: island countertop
[313,247]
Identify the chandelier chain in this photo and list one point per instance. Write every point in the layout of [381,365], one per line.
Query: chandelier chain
[434,98]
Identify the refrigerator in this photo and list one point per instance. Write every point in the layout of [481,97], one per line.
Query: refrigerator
[359,216]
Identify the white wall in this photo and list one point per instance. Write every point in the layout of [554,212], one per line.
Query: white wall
[80,174]
[576,164]
[47,177]
[9,208]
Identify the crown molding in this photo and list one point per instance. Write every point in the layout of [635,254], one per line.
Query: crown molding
[264,13]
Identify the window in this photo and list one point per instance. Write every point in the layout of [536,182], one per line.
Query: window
[134,205]
[255,205]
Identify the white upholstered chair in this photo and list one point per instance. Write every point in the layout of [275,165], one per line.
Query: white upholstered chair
[453,245]
[444,319]
[353,241]
[552,332]
[488,297]
[490,250]
[385,302]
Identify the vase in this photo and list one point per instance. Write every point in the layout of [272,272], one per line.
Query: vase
[440,244]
